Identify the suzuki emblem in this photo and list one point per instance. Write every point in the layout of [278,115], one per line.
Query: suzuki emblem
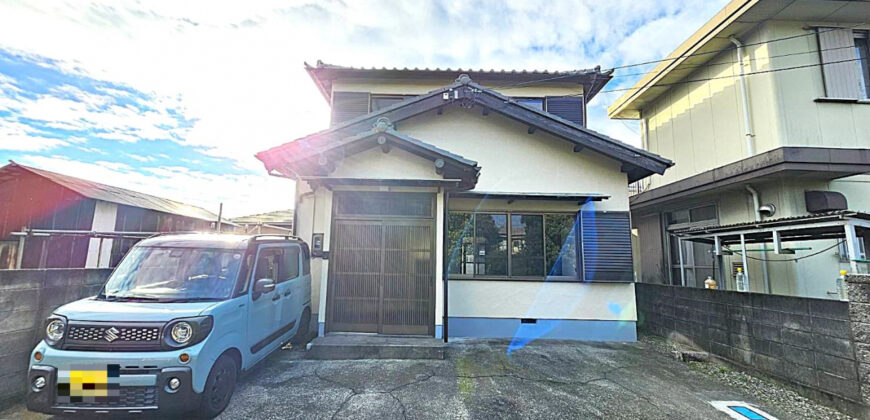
[111,334]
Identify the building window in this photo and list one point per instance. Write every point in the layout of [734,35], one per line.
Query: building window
[527,245]
[844,54]
[521,245]
[536,103]
[862,52]
[383,101]
[697,257]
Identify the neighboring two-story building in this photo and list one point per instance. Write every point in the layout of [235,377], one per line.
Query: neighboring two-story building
[765,112]
[465,203]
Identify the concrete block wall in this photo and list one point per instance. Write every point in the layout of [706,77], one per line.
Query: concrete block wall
[807,342]
[859,315]
[27,297]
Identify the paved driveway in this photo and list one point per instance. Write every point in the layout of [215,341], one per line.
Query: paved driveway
[481,380]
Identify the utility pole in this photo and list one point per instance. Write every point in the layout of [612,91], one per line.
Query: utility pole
[220,217]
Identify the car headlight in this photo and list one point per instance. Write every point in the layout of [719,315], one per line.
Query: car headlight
[55,329]
[184,332]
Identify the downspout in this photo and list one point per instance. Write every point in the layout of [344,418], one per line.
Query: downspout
[444,265]
[299,199]
[756,204]
[744,99]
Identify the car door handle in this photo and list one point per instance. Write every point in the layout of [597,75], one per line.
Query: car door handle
[276,296]
[288,293]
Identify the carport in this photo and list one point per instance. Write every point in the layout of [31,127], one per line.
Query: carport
[846,225]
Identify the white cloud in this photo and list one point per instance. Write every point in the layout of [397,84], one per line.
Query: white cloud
[241,194]
[236,68]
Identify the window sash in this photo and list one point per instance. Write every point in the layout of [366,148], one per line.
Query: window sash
[460,253]
[840,67]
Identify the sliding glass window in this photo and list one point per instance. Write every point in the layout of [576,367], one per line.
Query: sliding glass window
[520,245]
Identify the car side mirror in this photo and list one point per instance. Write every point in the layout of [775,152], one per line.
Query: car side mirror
[262,286]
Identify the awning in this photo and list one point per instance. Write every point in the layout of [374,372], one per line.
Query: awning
[514,196]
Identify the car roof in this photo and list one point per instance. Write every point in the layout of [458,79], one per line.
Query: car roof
[211,240]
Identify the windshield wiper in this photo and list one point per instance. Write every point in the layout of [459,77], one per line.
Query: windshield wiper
[193,299]
[136,298]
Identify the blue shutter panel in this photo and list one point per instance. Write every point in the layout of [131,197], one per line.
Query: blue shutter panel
[607,246]
[348,105]
[567,107]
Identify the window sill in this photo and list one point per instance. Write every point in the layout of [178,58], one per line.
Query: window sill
[842,101]
[536,279]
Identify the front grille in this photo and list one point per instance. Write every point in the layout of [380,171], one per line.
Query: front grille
[113,336]
[129,397]
[122,334]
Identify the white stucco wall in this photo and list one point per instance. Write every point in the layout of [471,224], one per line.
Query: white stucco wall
[542,300]
[99,256]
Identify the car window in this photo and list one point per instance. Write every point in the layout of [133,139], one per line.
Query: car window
[268,264]
[291,263]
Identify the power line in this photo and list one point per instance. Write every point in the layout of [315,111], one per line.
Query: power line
[732,62]
[730,48]
[732,76]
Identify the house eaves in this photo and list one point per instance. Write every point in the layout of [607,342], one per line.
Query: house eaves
[637,163]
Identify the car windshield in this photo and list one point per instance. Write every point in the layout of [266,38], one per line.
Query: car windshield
[174,274]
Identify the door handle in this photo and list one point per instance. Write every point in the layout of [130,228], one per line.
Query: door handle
[288,293]
[276,297]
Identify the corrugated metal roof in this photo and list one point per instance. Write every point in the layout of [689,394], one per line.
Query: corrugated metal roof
[112,194]
[280,216]
[775,222]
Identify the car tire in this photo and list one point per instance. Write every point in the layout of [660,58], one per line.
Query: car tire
[302,332]
[219,387]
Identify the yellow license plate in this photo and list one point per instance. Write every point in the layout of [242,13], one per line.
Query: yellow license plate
[85,384]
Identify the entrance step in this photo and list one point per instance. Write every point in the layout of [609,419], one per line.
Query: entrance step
[362,346]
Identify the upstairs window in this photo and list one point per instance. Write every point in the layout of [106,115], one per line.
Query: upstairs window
[570,108]
[380,102]
[536,103]
[845,67]
[862,51]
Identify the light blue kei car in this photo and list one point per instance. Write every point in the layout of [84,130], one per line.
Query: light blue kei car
[177,321]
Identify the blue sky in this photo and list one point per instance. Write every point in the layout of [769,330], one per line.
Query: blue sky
[174,98]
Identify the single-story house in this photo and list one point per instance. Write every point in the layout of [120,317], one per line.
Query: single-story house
[51,220]
[459,203]
[277,222]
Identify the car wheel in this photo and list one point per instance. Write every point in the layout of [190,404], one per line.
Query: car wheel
[219,387]
[302,331]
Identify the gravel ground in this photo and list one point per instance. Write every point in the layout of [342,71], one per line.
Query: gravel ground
[764,389]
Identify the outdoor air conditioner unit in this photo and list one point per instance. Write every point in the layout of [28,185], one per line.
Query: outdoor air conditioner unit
[823,201]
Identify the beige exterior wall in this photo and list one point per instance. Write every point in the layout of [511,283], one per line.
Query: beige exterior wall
[513,161]
[699,125]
